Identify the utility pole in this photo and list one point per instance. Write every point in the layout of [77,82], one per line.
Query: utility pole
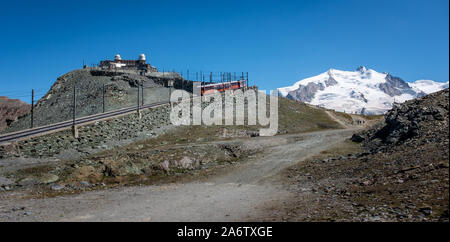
[74,109]
[246,80]
[142,92]
[170,85]
[188,74]
[74,114]
[32,108]
[103,97]
[210,77]
[138,103]
[182,81]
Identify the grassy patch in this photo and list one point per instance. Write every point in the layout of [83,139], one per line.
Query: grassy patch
[296,117]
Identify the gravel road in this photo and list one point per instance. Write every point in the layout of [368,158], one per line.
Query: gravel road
[237,195]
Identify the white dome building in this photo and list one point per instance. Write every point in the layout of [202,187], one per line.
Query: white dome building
[137,65]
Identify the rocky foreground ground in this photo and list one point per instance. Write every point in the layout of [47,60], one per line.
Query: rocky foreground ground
[236,189]
[403,174]
[129,149]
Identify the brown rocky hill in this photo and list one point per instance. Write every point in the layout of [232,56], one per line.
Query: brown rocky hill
[10,110]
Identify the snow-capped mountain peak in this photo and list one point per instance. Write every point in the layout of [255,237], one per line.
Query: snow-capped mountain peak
[361,69]
[361,91]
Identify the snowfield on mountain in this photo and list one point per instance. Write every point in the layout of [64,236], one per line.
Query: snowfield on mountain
[428,86]
[364,91]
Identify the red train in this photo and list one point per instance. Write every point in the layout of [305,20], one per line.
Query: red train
[221,87]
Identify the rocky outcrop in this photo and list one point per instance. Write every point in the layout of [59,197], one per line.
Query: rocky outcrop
[358,96]
[11,110]
[306,93]
[395,86]
[410,120]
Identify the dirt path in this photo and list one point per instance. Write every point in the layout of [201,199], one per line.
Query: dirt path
[234,196]
[338,120]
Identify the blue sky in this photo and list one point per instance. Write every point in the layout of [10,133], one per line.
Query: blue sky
[277,42]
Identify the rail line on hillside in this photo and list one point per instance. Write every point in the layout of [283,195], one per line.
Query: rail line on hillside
[68,124]
[15,136]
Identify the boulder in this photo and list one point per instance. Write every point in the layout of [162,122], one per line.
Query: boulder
[48,178]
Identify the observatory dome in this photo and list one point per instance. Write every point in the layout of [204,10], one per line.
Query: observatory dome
[117,57]
[142,57]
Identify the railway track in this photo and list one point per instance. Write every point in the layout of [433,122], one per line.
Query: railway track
[68,124]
